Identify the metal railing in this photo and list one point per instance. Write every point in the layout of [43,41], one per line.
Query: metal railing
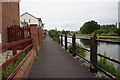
[93,51]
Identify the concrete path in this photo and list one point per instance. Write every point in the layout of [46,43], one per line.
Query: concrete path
[54,62]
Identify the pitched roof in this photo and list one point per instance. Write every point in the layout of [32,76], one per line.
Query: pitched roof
[30,15]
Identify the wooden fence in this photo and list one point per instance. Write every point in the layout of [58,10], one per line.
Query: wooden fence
[10,67]
[16,33]
[19,38]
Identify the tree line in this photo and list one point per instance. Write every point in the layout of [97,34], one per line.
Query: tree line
[57,32]
[92,26]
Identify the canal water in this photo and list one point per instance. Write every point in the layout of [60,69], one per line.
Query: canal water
[112,50]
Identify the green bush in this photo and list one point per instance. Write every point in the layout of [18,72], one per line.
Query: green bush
[70,49]
[108,66]
[78,50]
[12,66]
[118,31]
[8,70]
[99,31]
[53,33]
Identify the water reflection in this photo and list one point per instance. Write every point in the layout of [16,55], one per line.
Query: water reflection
[110,49]
[86,43]
[119,57]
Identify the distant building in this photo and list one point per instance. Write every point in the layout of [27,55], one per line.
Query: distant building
[9,15]
[45,32]
[29,19]
[75,32]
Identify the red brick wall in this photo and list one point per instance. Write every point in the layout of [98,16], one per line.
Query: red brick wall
[37,37]
[0,17]
[34,35]
[10,13]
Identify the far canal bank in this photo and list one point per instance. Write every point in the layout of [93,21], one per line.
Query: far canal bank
[99,36]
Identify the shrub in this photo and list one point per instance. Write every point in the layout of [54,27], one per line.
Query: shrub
[108,66]
[11,67]
[118,31]
[78,50]
[99,31]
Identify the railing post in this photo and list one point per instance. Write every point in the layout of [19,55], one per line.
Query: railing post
[26,52]
[65,41]
[14,52]
[93,53]
[74,45]
[54,37]
[58,39]
[61,40]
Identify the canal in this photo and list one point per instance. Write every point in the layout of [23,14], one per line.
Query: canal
[112,50]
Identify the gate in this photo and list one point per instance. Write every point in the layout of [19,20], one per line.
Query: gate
[16,33]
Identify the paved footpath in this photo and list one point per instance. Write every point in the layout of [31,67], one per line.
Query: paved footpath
[54,62]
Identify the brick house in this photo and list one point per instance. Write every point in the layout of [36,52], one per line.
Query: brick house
[9,15]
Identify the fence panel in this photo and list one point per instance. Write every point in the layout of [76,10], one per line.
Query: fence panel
[16,33]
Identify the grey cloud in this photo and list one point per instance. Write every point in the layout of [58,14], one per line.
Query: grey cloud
[67,15]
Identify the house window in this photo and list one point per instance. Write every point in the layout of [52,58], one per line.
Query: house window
[24,20]
[29,21]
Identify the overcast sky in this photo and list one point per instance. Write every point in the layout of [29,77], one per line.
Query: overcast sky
[71,14]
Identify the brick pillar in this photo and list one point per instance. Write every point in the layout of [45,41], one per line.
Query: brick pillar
[34,35]
[41,36]
[38,38]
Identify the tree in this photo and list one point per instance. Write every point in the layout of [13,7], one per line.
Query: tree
[99,31]
[118,31]
[89,27]
[54,32]
[107,29]
[65,32]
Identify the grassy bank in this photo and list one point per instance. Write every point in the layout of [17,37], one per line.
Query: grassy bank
[99,36]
